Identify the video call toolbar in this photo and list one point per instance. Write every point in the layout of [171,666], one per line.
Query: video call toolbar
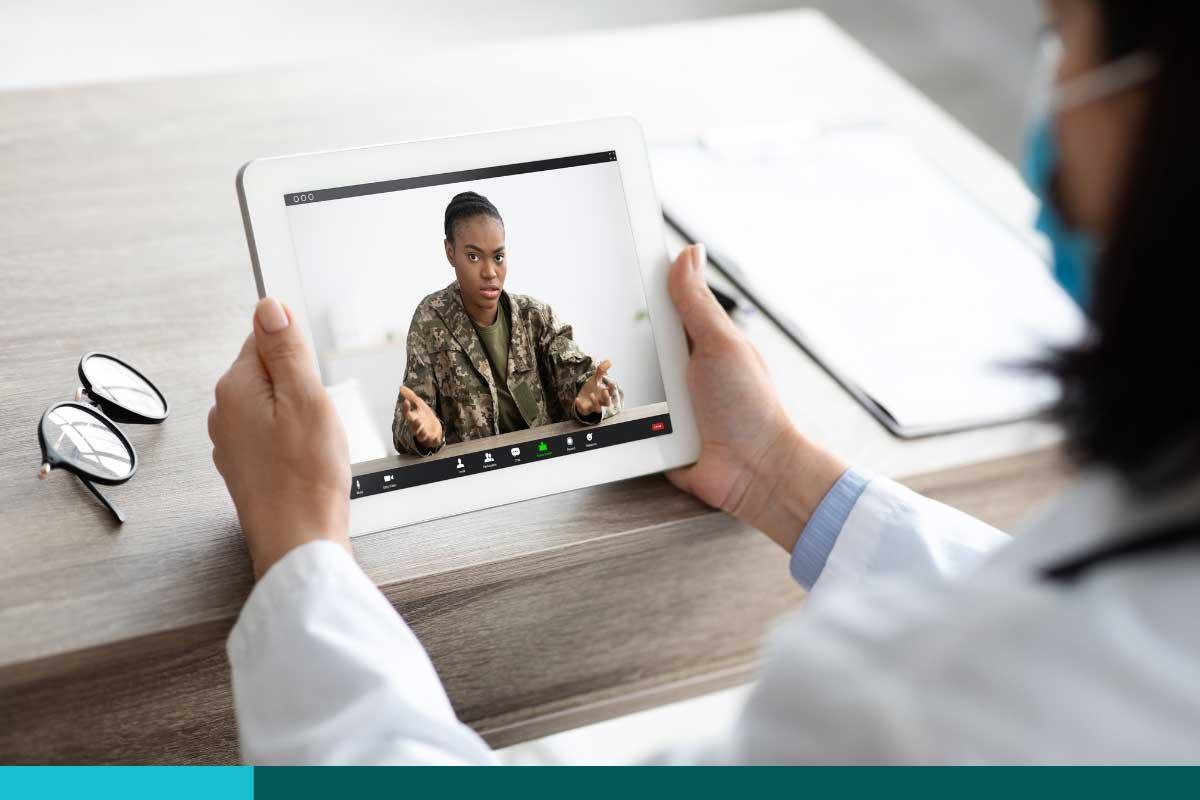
[511,455]
[443,178]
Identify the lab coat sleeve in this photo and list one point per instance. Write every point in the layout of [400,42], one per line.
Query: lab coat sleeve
[868,526]
[832,688]
[326,672]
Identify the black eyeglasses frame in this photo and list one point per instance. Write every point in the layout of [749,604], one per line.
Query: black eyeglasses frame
[109,413]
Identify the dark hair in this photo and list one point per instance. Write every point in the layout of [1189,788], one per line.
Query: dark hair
[464,206]
[1127,399]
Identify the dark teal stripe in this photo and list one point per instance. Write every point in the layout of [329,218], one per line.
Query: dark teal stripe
[584,783]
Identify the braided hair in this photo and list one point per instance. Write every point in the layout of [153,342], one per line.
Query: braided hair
[466,205]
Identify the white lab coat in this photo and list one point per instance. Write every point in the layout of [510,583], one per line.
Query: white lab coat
[918,643]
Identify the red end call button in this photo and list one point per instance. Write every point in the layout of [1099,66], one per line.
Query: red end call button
[658,426]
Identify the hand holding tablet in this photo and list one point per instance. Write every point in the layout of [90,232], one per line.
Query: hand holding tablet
[753,462]
[278,444]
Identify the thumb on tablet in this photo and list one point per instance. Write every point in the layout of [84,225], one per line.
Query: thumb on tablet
[282,348]
[702,315]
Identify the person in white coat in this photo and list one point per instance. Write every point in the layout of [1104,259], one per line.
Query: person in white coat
[928,636]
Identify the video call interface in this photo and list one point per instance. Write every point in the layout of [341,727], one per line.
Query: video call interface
[479,320]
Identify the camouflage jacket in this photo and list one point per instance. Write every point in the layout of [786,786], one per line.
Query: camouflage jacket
[449,369]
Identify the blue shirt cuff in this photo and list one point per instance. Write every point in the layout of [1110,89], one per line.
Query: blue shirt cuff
[816,541]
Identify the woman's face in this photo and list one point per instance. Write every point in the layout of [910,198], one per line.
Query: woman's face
[476,252]
[1096,138]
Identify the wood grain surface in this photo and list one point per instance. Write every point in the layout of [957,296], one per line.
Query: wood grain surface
[119,231]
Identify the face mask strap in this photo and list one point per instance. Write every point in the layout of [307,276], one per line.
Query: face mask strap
[1114,77]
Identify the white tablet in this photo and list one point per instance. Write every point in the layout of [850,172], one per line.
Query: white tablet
[491,275]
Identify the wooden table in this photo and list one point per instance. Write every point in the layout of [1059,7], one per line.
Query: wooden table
[119,230]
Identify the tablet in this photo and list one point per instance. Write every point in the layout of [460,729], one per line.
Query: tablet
[491,276]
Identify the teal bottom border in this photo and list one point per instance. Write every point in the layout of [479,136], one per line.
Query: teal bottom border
[738,783]
[579,783]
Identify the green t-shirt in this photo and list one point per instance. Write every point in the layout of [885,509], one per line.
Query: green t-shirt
[495,338]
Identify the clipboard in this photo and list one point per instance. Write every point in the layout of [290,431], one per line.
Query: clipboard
[759,173]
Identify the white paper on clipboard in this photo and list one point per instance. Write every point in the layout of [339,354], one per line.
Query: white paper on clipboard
[892,275]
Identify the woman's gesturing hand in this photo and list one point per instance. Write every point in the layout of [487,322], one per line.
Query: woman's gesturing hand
[595,395]
[753,462]
[279,444]
[425,426]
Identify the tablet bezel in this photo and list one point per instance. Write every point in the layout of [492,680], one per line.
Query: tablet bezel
[262,183]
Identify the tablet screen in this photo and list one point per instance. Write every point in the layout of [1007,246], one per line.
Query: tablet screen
[460,319]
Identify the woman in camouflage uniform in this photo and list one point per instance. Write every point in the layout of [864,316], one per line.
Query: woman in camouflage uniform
[482,361]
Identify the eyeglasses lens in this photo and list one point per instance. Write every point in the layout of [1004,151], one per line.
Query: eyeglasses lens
[86,441]
[116,382]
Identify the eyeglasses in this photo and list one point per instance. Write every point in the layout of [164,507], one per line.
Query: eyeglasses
[82,437]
